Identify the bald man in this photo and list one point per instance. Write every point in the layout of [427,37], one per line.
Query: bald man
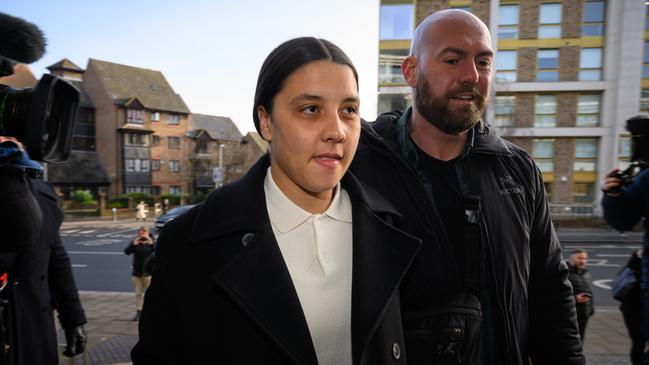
[489,284]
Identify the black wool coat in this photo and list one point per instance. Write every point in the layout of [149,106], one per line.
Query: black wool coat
[222,294]
[40,280]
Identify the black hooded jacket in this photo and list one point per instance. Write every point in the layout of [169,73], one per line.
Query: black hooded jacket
[533,301]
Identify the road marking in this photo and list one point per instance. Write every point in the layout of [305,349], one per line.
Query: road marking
[116,232]
[95,253]
[613,255]
[600,262]
[70,231]
[604,283]
[79,265]
[86,232]
[100,242]
[605,246]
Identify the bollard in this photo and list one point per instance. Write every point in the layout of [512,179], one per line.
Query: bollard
[114,210]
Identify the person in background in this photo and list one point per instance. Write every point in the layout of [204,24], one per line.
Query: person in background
[141,211]
[580,279]
[142,248]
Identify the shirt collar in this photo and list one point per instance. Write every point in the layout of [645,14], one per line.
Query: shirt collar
[286,215]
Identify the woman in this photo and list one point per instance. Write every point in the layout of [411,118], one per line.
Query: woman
[142,248]
[270,269]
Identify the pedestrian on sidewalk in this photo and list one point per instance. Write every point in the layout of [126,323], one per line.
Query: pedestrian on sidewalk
[631,308]
[272,269]
[580,279]
[143,250]
[141,211]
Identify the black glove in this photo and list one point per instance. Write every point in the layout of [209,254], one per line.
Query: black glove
[76,341]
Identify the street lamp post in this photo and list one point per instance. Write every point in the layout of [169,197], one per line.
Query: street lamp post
[221,164]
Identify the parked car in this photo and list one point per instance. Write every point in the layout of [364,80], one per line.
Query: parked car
[171,214]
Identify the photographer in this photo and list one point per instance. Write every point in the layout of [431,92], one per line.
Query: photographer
[626,197]
[142,249]
[33,264]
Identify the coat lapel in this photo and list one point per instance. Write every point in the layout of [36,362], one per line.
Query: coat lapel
[259,282]
[256,278]
[382,255]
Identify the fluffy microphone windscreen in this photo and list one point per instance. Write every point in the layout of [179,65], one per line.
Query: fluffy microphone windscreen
[20,40]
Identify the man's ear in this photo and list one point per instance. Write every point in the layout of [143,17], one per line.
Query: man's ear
[264,123]
[409,70]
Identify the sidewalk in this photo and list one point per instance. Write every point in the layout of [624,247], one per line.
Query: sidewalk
[112,334]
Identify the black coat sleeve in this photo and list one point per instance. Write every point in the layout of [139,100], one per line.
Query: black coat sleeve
[63,288]
[554,335]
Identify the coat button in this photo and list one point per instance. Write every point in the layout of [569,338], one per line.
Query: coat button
[245,240]
[396,351]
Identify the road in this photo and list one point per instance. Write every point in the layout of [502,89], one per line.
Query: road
[99,262]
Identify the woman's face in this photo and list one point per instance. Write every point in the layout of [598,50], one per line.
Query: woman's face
[313,130]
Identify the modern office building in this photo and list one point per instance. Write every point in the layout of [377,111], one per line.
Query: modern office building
[567,76]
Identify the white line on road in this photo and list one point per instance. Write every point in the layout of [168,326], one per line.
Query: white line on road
[86,232]
[70,231]
[95,253]
[613,255]
[79,265]
[604,246]
[600,262]
[116,232]
[604,283]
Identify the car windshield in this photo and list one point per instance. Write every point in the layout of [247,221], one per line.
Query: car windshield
[179,210]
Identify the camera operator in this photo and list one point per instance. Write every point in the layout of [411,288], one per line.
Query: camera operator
[626,197]
[35,271]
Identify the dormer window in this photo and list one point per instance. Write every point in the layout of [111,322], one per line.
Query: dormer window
[135,116]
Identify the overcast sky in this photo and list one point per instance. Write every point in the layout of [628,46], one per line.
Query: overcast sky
[209,51]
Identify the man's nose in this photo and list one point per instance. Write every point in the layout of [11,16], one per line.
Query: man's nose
[469,73]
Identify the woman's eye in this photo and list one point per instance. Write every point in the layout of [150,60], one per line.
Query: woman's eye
[350,110]
[311,109]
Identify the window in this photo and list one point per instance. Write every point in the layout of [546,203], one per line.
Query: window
[174,166]
[545,111]
[155,190]
[173,119]
[547,65]
[644,101]
[201,145]
[583,192]
[137,189]
[135,139]
[593,19]
[504,110]
[137,165]
[645,65]
[585,154]
[155,140]
[550,21]
[543,154]
[506,66]
[388,102]
[396,21]
[174,143]
[390,68]
[646,21]
[155,165]
[624,153]
[155,116]
[174,190]
[588,110]
[135,116]
[508,22]
[590,64]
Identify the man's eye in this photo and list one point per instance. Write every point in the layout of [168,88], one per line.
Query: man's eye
[485,64]
[451,62]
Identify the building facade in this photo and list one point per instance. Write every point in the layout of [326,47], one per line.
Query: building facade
[567,76]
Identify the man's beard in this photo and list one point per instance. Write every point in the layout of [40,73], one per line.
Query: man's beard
[437,112]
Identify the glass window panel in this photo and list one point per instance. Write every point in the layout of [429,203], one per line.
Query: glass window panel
[550,14]
[545,166]
[547,76]
[505,104]
[589,120]
[590,58]
[145,165]
[625,147]
[646,51]
[396,21]
[583,192]
[506,60]
[594,11]
[550,31]
[508,15]
[508,32]
[545,121]
[588,104]
[645,71]
[545,104]
[592,30]
[505,76]
[503,121]
[585,148]
[543,148]
[548,59]
[584,166]
[590,75]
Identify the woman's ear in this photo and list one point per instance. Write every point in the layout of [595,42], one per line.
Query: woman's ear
[264,123]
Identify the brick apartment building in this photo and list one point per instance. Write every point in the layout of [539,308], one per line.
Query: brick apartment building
[567,76]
